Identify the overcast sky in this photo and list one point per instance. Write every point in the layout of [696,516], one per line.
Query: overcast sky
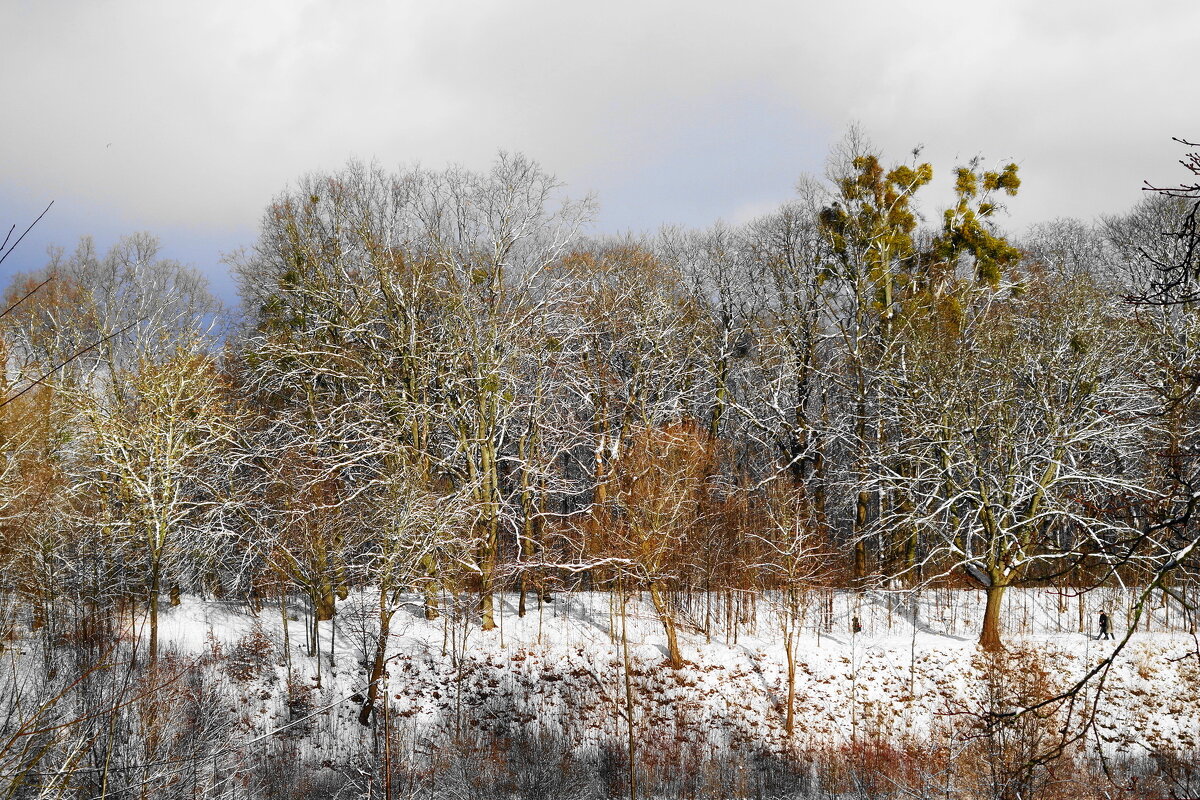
[185,119]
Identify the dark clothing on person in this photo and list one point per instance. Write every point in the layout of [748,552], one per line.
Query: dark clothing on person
[1104,634]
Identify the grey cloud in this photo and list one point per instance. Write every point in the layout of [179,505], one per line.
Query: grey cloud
[212,108]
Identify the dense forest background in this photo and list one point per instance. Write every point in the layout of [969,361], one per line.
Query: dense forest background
[438,384]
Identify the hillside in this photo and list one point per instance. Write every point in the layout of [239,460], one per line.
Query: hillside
[885,709]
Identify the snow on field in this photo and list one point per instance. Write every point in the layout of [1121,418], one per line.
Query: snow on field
[562,665]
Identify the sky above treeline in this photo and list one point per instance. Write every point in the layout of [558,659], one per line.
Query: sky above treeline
[185,119]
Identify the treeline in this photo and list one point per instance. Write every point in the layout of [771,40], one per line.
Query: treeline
[437,383]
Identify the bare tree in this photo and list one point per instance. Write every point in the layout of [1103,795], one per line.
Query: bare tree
[420,293]
[147,447]
[787,393]
[1018,429]
[652,512]
[1174,255]
[796,559]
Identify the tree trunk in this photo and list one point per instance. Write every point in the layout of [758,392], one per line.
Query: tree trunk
[789,720]
[860,543]
[377,664]
[719,400]
[674,656]
[989,637]
[487,588]
[431,607]
[324,602]
[432,585]
[489,494]
[287,639]
[154,589]
[631,739]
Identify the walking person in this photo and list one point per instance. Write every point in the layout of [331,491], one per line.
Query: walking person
[1104,632]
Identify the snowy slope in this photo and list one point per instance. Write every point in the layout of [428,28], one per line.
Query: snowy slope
[562,667]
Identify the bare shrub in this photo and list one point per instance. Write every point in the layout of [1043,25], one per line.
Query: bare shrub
[252,658]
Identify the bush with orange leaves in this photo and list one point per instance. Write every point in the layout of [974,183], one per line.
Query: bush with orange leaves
[654,505]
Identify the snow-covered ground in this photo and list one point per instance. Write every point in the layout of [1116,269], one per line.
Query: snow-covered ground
[561,666]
